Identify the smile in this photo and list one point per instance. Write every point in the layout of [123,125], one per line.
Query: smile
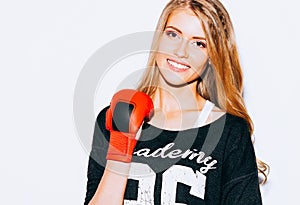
[178,67]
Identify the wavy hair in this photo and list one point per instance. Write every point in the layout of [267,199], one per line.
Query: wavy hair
[222,80]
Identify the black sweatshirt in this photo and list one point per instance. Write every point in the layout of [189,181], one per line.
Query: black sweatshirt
[213,165]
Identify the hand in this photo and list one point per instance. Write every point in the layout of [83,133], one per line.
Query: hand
[124,118]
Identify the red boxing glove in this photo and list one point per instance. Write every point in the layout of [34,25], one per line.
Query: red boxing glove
[128,110]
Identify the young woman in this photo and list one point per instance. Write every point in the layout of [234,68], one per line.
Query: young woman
[195,147]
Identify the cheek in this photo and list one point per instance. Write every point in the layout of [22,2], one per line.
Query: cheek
[165,47]
[161,60]
[199,62]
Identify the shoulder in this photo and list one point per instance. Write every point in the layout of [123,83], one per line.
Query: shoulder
[102,115]
[237,128]
[236,122]
[100,122]
[238,134]
[228,122]
[232,131]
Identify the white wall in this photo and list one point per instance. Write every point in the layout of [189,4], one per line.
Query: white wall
[45,44]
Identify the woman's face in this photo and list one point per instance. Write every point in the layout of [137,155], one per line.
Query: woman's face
[182,51]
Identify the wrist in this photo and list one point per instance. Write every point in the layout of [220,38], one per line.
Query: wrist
[121,146]
[118,167]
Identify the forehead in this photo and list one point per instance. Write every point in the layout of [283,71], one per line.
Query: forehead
[186,21]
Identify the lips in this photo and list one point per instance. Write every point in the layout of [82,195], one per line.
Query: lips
[177,66]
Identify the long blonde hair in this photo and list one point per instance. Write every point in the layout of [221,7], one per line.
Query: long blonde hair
[222,82]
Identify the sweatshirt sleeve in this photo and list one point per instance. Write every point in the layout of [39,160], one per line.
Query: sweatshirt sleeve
[97,158]
[240,175]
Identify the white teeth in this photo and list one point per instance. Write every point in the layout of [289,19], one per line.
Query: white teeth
[179,66]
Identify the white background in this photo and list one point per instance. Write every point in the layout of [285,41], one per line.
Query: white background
[45,44]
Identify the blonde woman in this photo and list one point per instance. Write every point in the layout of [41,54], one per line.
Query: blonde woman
[195,148]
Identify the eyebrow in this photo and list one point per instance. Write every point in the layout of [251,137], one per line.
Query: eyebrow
[194,37]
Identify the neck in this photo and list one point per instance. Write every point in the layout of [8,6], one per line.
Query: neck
[184,98]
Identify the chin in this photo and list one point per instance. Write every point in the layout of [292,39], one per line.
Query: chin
[177,81]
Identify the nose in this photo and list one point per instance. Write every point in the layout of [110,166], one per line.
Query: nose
[181,49]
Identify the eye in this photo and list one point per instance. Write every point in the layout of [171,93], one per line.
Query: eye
[199,44]
[172,34]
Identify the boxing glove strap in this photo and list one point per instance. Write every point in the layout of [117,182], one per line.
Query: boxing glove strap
[121,146]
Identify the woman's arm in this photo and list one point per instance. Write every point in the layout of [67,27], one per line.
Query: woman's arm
[123,123]
[113,183]
[107,179]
